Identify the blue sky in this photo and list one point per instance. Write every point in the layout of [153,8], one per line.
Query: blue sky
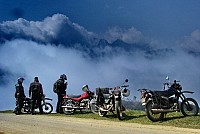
[166,20]
[99,43]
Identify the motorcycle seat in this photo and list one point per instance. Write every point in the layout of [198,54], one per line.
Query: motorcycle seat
[165,93]
[106,96]
[27,99]
[74,96]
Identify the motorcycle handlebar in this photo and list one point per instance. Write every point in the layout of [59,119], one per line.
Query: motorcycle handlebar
[143,89]
[125,86]
[48,99]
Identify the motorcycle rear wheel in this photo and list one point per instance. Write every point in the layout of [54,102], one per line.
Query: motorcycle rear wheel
[68,110]
[189,107]
[153,116]
[48,108]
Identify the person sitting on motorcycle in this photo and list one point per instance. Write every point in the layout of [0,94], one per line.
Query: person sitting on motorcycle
[60,87]
[36,94]
[19,95]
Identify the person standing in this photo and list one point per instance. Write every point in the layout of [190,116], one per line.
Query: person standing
[19,95]
[36,94]
[60,87]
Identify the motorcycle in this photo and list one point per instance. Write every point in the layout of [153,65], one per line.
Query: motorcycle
[159,103]
[71,103]
[113,101]
[46,106]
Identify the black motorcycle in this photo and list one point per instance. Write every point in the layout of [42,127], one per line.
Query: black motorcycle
[46,106]
[113,101]
[159,103]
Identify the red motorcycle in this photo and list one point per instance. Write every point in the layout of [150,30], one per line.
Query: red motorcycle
[72,103]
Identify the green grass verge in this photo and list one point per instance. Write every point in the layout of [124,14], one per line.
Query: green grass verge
[7,111]
[136,116]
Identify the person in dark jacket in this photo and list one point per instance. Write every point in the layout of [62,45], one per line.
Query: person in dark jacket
[60,89]
[36,94]
[19,95]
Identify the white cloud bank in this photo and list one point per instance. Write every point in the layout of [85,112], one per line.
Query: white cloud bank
[192,42]
[29,59]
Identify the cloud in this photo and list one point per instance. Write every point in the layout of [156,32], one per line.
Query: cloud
[57,29]
[22,58]
[33,49]
[131,35]
[191,43]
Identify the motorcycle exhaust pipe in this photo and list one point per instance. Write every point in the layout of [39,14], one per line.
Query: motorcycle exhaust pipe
[163,110]
[70,107]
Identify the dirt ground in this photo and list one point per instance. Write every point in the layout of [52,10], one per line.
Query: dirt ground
[43,124]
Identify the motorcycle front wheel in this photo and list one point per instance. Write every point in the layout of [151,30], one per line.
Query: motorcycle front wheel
[26,108]
[93,106]
[102,113]
[68,107]
[48,108]
[189,107]
[153,116]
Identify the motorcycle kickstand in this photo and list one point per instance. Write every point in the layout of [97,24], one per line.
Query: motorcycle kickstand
[113,113]
[165,115]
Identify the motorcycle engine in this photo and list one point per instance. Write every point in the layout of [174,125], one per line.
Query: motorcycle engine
[83,102]
[172,100]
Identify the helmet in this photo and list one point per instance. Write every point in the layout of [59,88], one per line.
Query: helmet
[63,76]
[85,88]
[36,79]
[20,80]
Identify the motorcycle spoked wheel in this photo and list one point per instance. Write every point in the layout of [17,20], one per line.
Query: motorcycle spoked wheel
[102,113]
[153,116]
[189,107]
[68,110]
[26,108]
[93,107]
[48,108]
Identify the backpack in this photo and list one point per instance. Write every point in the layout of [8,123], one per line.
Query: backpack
[55,87]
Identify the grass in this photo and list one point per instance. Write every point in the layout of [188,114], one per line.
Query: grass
[7,111]
[136,116]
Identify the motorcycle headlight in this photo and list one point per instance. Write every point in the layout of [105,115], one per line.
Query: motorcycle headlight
[125,92]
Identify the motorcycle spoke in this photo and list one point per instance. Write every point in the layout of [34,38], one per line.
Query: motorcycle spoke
[189,108]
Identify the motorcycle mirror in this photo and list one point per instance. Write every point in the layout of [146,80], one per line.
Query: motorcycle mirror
[167,78]
[126,80]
